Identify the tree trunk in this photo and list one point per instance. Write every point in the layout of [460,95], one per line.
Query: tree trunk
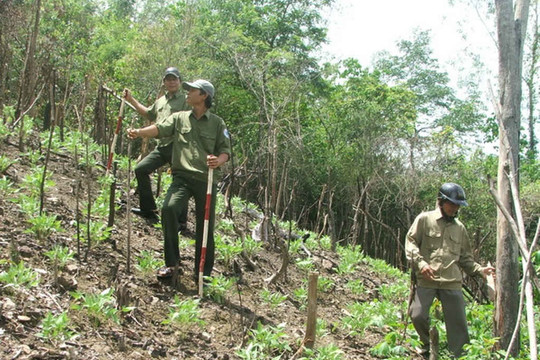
[531,86]
[511,28]
[29,75]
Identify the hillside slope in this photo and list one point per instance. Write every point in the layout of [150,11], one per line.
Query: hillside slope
[217,328]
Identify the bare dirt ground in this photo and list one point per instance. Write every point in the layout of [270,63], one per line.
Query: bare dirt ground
[141,334]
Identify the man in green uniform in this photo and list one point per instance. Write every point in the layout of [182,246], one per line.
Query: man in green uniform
[200,141]
[438,247]
[171,102]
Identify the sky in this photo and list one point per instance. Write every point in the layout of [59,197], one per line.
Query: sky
[361,28]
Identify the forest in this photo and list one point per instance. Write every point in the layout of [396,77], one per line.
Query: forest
[332,161]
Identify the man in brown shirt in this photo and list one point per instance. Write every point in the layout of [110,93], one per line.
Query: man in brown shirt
[438,247]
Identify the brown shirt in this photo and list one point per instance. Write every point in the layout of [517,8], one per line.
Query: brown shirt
[442,244]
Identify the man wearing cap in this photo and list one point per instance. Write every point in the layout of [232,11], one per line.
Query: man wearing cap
[171,102]
[200,141]
[438,247]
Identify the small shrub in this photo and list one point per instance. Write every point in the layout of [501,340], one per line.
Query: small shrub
[356,287]
[43,226]
[225,225]
[56,327]
[184,313]
[328,352]
[273,299]
[305,264]
[60,255]
[19,275]
[382,268]
[147,263]
[5,163]
[349,258]
[301,295]
[265,342]
[99,307]
[227,249]
[6,188]
[325,284]
[99,231]
[32,181]
[217,287]
[250,246]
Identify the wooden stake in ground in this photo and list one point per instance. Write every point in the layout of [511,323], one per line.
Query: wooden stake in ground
[311,325]
[115,138]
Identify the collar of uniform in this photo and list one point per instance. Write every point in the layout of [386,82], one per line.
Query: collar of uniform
[206,114]
[440,215]
[170,95]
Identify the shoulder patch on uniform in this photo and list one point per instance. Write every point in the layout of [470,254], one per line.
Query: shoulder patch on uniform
[226,133]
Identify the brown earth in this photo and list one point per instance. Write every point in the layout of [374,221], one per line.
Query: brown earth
[141,334]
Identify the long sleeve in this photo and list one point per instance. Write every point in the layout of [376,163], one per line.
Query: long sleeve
[414,241]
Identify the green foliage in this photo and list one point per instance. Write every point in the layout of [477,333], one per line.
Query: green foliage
[301,295]
[6,188]
[305,264]
[321,328]
[250,246]
[5,163]
[147,263]
[328,352]
[98,307]
[240,205]
[217,287]
[101,204]
[33,157]
[364,315]
[381,267]
[325,284]
[274,299]
[184,313]
[19,276]
[226,225]
[265,342]
[8,115]
[166,181]
[28,204]
[43,226]
[60,255]
[399,289]
[325,242]
[356,287]
[56,144]
[32,181]
[391,347]
[99,231]
[56,327]
[349,258]
[227,248]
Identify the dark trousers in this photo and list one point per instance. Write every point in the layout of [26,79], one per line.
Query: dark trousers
[153,161]
[175,204]
[455,319]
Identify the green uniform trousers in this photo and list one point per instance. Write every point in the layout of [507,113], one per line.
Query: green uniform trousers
[455,319]
[151,162]
[175,204]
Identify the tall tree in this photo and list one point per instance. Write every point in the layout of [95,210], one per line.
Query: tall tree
[512,19]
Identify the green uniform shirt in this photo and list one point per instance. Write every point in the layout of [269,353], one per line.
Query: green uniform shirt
[193,140]
[442,244]
[163,108]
